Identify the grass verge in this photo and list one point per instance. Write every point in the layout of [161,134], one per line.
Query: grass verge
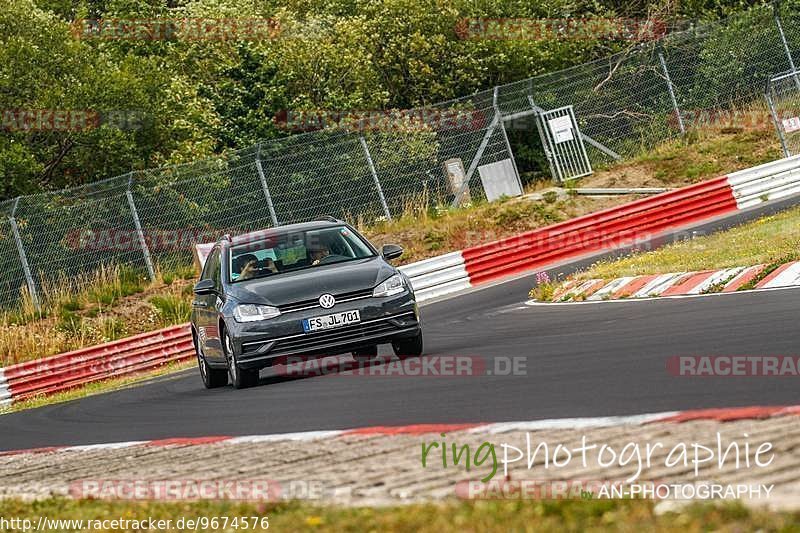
[596,515]
[98,387]
[769,240]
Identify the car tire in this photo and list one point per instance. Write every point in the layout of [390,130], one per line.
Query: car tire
[366,354]
[406,348]
[240,378]
[212,378]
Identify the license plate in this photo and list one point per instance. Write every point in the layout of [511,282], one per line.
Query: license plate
[331,321]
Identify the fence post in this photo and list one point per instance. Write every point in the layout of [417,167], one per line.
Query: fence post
[777,122]
[375,177]
[140,234]
[23,259]
[671,92]
[264,186]
[777,14]
[505,136]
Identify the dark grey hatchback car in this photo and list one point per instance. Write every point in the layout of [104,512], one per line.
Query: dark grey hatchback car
[304,290]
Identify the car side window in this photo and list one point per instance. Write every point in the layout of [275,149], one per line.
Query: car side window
[212,267]
[216,272]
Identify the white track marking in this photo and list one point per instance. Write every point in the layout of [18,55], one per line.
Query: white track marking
[110,446]
[787,278]
[301,436]
[534,303]
[658,285]
[611,288]
[714,278]
[574,423]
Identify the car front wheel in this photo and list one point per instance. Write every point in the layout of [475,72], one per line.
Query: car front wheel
[411,347]
[212,378]
[240,378]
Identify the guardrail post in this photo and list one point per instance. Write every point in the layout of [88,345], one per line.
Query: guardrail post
[671,91]
[375,177]
[264,187]
[140,234]
[23,259]
[505,136]
[777,15]
[475,160]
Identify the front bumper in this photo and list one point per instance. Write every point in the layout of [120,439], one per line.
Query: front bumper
[261,344]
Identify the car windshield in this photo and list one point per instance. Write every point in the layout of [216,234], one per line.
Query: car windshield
[275,253]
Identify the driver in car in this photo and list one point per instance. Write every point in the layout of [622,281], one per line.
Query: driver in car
[318,253]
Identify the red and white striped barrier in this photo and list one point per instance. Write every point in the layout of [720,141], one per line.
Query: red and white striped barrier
[605,230]
[5,395]
[677,283]
[124,357]
[770,181]
[670,417]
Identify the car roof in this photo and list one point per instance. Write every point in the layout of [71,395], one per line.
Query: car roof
[301,226]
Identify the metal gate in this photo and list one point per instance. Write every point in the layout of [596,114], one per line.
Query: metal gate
[563,144]
[783,97]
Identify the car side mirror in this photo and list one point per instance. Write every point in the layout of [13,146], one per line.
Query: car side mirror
[205,287]
[391,251]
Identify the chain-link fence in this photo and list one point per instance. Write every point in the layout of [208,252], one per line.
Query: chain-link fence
[623,104]
[783,96]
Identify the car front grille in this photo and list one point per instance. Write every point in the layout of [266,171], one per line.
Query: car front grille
[310,342]
[312,303]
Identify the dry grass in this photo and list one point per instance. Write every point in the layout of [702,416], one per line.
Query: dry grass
[98,387]
[747,140]
[115,303]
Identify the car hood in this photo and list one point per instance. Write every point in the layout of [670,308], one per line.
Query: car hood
[311,283]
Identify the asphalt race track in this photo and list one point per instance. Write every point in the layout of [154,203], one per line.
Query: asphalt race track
[581,360]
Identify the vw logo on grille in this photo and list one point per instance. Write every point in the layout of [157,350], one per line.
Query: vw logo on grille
[327,301]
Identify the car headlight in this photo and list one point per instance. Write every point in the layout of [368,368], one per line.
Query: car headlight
[394,285]
[254,313]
